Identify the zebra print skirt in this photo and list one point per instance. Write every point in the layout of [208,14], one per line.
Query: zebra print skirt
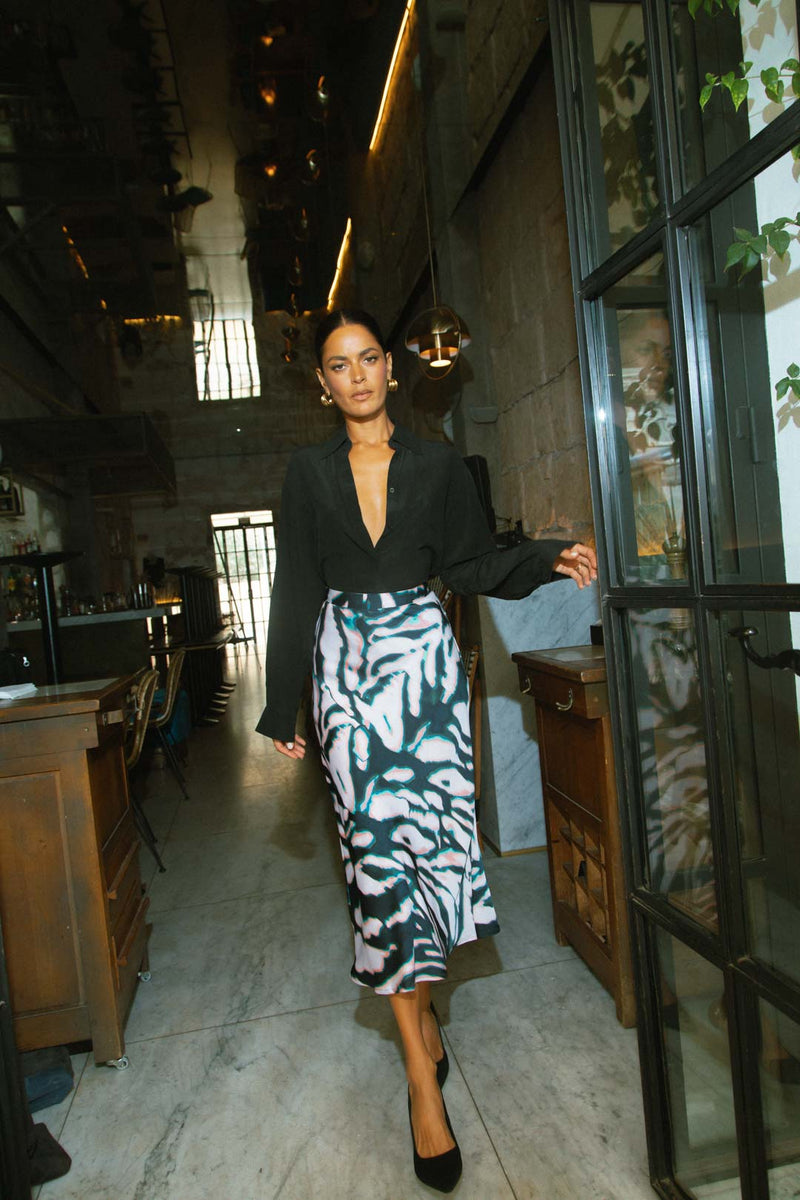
[391,711]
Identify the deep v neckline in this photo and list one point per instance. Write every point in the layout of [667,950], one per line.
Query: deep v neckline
[387,493]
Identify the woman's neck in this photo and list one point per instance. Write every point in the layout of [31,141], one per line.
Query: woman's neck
[373,431]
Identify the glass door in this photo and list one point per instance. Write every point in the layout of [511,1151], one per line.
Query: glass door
[680,140]
[244,548]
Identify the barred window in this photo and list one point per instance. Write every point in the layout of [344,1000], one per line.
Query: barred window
[225,359]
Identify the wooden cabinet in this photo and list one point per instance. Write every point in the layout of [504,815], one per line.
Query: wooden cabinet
[72,903]
[568,687]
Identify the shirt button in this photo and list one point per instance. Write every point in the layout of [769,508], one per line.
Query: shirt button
[391,490]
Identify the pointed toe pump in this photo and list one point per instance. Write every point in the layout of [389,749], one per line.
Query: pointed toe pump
[443,1064]
[443,1171]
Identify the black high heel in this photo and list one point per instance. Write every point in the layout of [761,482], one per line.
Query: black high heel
[443,1171]
[443,1064]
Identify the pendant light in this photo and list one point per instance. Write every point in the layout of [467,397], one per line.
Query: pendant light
[438,335]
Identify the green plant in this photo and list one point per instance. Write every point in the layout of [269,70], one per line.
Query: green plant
[790,411]
[749,248]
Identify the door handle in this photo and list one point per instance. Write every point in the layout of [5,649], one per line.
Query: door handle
[786,660]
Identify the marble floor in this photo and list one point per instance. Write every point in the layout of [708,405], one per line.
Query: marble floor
[258,1070]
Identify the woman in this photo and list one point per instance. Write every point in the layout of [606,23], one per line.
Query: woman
[365,518]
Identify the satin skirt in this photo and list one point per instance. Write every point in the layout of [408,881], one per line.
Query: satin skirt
[391,710]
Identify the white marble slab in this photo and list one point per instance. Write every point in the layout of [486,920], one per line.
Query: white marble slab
[556,1080]
[559,614]
[234,960]
[310,1104]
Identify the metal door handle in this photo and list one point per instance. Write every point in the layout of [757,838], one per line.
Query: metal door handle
[786,660]
[526,687]
[570,701]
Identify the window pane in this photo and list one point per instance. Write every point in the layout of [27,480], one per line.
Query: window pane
[746,330]
[672,760]
[619,123]
[698,1071]
[226,364]
[763,714]
[780,1100]
[644,443]
[763,36]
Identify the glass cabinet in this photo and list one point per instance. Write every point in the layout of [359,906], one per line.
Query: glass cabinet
[680,134]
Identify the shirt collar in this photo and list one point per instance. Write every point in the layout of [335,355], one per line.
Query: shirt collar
[401,437]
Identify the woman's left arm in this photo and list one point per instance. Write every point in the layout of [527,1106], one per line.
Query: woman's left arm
[471,563]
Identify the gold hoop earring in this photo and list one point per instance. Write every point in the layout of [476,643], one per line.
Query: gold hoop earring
[392,385]
[327,399]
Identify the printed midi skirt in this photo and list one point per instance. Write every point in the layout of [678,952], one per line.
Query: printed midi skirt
[391,709]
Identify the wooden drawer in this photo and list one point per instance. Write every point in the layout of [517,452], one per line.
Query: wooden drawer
[586,699]
[125,944]
[117,850]
[127,881]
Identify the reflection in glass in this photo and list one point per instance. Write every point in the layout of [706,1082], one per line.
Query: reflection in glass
[652,537]
[764,708]
[763,36]
[780,1100]
[747,337]
[672,760]
[698,1070]
[626,198]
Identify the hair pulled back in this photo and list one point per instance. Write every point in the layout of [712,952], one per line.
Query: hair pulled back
[345,316]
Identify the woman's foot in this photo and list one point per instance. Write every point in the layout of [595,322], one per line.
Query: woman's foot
[429,1125]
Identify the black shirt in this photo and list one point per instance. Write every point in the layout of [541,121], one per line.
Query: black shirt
[434,526]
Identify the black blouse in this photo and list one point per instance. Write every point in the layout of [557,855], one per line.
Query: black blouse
[434,526]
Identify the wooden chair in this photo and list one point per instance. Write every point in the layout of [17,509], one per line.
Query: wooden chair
[161,717]
[142,703]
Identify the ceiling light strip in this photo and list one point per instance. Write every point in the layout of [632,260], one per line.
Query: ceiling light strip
[390,74]
[342,251]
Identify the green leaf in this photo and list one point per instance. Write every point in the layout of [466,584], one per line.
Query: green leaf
[744,67]
[770,76]
[796,152]
[733,5]
[727,79]
[706,94]
[743,235]
[796,83]
[694,7]
[782,387]
[779,241]
[739,90]
[736,252]
[791,64]
[750,260]
[711,78]
[793,370]
[759,244]
[796,387]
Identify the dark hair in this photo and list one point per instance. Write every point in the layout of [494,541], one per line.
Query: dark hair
[345,316]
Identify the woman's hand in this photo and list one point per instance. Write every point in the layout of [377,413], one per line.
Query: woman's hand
[580,562]
[295,749]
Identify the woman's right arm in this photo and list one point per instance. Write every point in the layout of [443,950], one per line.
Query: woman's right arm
[297,594]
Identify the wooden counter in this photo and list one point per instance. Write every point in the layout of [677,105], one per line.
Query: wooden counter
[71,897]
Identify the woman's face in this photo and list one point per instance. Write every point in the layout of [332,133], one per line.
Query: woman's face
[355,371]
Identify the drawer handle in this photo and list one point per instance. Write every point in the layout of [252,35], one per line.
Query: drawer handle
[570,701]
[526,687]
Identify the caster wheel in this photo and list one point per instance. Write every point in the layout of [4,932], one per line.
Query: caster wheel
[119,1064]
[145,976]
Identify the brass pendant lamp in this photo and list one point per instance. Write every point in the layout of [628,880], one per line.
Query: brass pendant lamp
[438,335]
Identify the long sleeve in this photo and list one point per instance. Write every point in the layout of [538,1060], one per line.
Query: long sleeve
[297,594]
[471,562]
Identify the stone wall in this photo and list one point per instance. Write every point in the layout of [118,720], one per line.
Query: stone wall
[543,466]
